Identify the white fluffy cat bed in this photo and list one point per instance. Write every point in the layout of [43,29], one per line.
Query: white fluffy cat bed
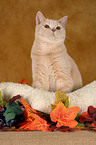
[42,100]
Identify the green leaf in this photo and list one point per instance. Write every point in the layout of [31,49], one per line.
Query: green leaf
[9,116]
[12,110]
[80,124]
[2,101]
[77,117]
[60,97]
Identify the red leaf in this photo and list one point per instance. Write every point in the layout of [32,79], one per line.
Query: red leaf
[89,115]
[94,116]
[91,110]
[65,129]
[52,126]
[13,99]
[85,117]
[23,81]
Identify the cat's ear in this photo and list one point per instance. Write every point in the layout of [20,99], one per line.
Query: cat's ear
[63,20]
[39,18]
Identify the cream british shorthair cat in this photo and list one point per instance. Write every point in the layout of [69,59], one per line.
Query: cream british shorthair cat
[52,68]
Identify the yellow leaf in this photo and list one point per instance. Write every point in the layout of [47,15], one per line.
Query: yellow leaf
[60,97]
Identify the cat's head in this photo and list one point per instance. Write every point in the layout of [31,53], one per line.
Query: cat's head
[50,30]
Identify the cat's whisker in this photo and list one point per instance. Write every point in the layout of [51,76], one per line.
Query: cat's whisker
[69,38]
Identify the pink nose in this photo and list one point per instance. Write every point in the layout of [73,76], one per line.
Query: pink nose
[53,30]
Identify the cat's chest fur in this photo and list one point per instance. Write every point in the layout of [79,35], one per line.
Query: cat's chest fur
[49,62]
[50,57]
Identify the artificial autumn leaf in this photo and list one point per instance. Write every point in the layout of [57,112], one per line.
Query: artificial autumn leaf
[39,124]
[77,117]
[92,113]
[23,81]
[80,125]
[65,129]
[52,126]
[60,97]
[25,125]
[89,115]
[13,99]
[91,110]
[81,128]
[85,117]
[2,101]
[12,110]
[89,118]
[28,109]
[43,115]
[64,116]
[34,121]
[94,126]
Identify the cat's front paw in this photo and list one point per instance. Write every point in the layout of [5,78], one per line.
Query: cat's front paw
[64,86]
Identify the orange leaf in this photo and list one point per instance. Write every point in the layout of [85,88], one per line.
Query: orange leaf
[34,121]
[28,109]
[64,116]
[25,104]
[39,124]
[25,126]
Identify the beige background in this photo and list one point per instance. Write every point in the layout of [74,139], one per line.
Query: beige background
[17,26]
[48,138]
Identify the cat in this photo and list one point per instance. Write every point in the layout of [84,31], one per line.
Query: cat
[52,68]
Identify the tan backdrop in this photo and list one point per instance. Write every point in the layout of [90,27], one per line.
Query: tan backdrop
[17,25]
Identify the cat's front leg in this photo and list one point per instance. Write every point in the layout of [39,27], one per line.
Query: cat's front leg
[39,84]
[40,81]
[64,85]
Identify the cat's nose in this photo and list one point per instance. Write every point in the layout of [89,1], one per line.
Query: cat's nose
[53,29]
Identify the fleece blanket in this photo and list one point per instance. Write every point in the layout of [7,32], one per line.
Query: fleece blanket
[42,100]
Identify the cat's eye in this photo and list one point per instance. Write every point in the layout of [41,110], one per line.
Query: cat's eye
[58,27]
[47,26]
